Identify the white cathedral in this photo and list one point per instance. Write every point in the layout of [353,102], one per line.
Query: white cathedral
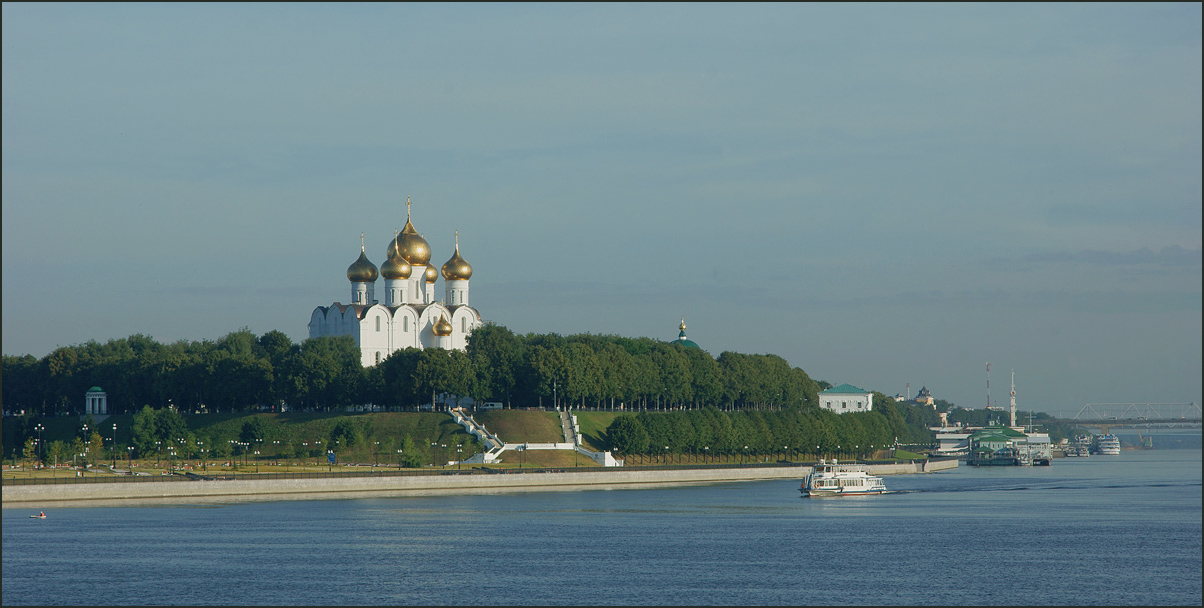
[409,316]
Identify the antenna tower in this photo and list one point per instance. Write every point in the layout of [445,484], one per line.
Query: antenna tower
[988,386]
[1013,403]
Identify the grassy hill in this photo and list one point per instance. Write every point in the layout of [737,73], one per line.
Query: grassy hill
[546,458]
[593,428]
[379,434]
[518,426]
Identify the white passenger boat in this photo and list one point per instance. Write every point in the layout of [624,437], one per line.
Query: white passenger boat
[832,479]
[1108,445]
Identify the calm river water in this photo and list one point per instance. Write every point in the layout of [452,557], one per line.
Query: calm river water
[1101,530]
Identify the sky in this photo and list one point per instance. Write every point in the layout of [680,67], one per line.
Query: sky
[883,195]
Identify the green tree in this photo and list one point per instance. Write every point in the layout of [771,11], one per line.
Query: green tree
[20,384]
[145,431]
[497,354]
[170,427]
[254,430]
[346,434]
[626,435]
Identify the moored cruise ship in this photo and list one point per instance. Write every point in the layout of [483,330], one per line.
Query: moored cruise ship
[1108,445]
[832,479]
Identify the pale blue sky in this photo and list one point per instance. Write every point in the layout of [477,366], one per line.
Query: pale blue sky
[881,194]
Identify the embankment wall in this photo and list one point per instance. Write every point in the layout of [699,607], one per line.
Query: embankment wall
[124,494]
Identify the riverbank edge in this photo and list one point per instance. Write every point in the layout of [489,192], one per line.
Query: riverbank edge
[203,492]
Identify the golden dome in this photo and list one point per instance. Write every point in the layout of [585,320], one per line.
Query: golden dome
[395,267]
[456,269]
[442,327]
[412,247]
[432,275]
[361,270]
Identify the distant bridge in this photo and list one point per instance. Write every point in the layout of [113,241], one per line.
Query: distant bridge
[1132,415]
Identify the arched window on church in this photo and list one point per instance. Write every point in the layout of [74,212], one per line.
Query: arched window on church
[405,324]
[378,352]
[378,329]
[463,325]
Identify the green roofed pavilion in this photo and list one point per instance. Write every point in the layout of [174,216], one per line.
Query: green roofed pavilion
[683,340]
[845,389]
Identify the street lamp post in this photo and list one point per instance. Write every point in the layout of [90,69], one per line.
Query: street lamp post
[443,446]
[113,446]
[399,459]
[41,452]
[130,452]
[375,446]
[706,451]
[459,458]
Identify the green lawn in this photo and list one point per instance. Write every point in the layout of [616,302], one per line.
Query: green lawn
[518,426]
[593,428]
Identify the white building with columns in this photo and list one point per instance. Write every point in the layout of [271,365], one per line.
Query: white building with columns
[409,316]
[96,401]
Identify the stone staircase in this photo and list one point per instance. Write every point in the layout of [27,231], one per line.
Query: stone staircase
[494,446]
[566,425]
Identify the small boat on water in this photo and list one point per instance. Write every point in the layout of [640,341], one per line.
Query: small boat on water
[832,479]
[1082,444]
[40,515]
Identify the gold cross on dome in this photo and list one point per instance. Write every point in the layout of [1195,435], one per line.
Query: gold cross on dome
[408,203]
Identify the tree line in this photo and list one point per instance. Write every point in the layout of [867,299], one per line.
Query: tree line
[803,430]
[166,436]
[244,372]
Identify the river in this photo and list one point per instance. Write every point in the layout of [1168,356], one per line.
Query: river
[1102,530]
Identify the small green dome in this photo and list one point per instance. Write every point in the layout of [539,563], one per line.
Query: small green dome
[683,340]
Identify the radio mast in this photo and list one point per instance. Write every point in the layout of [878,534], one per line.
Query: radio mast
[1013,403]
[988,386]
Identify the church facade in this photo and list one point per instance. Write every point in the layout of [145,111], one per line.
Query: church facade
[409,316]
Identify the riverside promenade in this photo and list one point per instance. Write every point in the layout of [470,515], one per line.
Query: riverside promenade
[445,482]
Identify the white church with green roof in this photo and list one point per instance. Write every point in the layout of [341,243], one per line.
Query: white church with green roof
[846,398]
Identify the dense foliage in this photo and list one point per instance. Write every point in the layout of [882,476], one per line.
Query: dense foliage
[242,372]
[723,403]
[166,435]
[808,430]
